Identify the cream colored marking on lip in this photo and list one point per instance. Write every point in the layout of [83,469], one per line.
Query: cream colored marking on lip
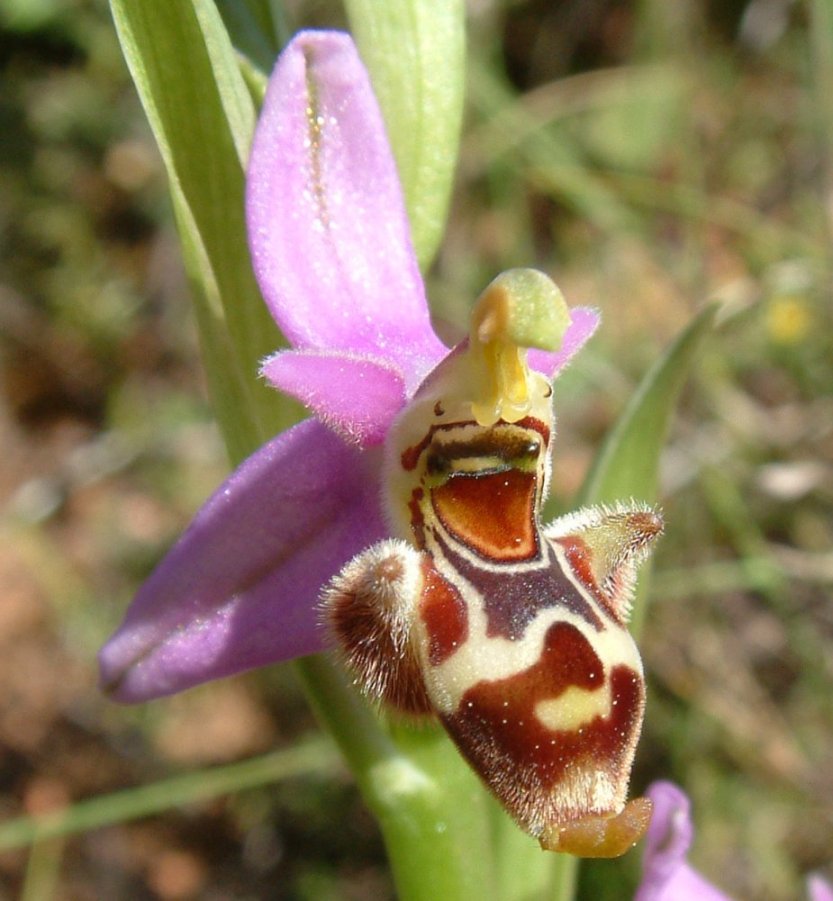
[574,708]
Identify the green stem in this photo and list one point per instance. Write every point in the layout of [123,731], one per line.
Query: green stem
[565,881]
[523,871]
[430,807]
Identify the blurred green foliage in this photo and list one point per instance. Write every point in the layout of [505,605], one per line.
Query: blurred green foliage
[652,157]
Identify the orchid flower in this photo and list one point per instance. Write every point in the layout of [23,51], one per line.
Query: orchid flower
[666,873]
[406,513]
[333,256]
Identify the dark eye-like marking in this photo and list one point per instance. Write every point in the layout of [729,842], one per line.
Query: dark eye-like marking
[548,392]
[493,451]
[439,409]
[532,449]
[437,463]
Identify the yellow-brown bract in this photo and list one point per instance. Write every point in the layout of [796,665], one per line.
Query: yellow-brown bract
[512,633]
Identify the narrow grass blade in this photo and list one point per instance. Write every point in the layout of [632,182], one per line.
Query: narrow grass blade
[145,800]
[43,870]
[628,463]
[415,52]
[202,115]
[627,466]
[821,35]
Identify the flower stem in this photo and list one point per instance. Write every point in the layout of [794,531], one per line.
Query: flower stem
[429,805]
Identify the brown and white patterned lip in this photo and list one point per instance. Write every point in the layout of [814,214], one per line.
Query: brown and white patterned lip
[512,596]
[556,774]
[523,656]
[509,615]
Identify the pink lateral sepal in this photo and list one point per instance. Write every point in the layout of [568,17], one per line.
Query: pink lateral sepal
[238,589]
[583,323]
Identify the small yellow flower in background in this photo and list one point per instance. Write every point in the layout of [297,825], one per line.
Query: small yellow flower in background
[789,319]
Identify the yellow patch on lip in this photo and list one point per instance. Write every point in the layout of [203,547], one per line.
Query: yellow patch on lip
[574,708]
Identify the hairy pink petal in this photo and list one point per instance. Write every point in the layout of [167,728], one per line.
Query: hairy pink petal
[327,225]
[583,323]
[666,875]
[357,397]
[239,588]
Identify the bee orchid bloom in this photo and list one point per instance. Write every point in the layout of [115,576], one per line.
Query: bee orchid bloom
[332,251]
[666,873]
[403,522]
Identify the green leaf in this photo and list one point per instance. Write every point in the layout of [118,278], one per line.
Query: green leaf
[257,28]
[228,383]
[202,116]
[415,52]
[627,466]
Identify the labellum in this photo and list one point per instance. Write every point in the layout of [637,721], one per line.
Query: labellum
[511,632]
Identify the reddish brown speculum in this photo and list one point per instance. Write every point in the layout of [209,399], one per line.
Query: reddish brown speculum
[491,514]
